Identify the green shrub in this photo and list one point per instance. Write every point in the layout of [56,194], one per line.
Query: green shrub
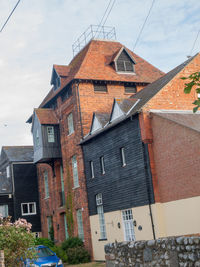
[44,241]
[72,242]
[60,253]
[78,255]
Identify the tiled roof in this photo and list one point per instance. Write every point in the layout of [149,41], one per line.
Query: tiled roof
[152,89]
[46,116]
[187,119]
[19,153]
[92,63]
[62,70]
[143,96]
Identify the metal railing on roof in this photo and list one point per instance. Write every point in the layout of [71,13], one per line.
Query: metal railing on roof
[92,32]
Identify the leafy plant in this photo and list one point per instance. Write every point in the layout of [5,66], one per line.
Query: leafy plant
[44,241]
[15,240]
[60,253]
[78,255]
[72,242]
[194,79]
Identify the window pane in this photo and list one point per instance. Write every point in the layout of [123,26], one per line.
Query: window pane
[75,171]
[25,208]
[123,159]
[46,185]
[128,225]
[129,66]
[102,165]
[70,124]
[80,224]
[101,222]
[100,87]
[8,171]
[32,208]
[130,89]
[99,199]
[92,169]
[50,134]
[4,210]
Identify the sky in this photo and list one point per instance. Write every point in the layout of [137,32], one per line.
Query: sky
[40,33]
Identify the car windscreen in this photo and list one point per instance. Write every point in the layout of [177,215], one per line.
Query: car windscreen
[44,252]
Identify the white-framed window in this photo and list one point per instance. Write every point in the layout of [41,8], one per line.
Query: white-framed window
[102,165]
[75,171]
[46,184]
[8,171]
[70,124]
[99,200]
[4,210]
[92,169]
[123,159]
[28,208]
[198,95]
[80,224]
[127,216]
[37,140]
[50,134]
[99,203]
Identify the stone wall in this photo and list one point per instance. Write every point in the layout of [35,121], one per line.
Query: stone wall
[171,252]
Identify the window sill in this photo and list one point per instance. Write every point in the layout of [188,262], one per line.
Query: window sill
[103,239]
[75,187]
[100,92]
[127,73]
[30,214]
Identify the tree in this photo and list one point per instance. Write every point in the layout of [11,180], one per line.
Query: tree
[15,239]
[194,81]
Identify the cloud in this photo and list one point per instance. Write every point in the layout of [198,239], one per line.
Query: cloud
[41,33]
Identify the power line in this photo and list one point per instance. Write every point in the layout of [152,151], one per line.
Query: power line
[100,24]
[9,16]
[109,12]
[143,24]
[194,43]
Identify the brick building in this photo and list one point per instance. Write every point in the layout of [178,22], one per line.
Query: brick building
[101,71]
[144,144]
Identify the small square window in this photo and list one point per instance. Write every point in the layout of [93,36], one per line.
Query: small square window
[28,208]
[50,134]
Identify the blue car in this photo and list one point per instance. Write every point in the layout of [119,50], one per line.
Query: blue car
[45,258]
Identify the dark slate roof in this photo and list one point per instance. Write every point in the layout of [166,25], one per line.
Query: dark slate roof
[19,153]
[103,118]
[184,118]
[152,89]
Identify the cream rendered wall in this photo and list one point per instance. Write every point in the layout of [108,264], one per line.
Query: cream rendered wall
[140,214]
[180,217]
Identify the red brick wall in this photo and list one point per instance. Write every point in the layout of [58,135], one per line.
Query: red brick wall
[177,159]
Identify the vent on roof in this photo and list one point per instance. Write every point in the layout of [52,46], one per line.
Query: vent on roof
[93,31]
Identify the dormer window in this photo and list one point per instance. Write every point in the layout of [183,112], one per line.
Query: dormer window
[124,62]
[55,80]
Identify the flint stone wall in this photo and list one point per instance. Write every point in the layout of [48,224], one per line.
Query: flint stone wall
[171,252]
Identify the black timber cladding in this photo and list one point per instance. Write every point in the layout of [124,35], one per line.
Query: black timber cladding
[26,191]
[121,187]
